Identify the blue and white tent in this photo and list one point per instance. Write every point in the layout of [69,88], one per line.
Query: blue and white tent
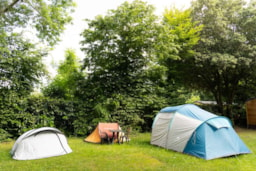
[192,130]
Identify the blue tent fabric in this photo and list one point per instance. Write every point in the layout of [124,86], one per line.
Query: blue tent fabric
[219,122]
[213,137]
[209,143]
[190,110]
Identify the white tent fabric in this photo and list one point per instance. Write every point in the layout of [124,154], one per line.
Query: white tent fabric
[181,129]
[40,143]
[161,129]
[167,127]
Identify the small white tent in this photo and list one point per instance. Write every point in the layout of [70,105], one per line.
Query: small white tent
[40,143]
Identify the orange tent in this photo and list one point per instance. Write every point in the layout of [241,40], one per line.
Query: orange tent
[102,131]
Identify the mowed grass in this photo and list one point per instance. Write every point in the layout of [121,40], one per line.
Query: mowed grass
[136,155]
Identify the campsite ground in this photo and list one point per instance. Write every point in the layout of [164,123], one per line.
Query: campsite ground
[136,155]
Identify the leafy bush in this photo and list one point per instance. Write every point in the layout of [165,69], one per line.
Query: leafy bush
[4,136]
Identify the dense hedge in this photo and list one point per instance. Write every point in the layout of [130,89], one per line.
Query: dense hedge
[74,118]
[34,112]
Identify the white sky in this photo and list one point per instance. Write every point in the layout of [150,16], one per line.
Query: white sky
[89,9]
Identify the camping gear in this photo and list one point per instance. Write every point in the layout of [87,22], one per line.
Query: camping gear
[40,143]
[104,132]
[192,130]
[124,136]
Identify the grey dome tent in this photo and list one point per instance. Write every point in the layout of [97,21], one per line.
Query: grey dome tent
[191,130]
[40,143]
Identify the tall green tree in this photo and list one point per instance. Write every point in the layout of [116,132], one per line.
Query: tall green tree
[65,82]
[180,34]
[119,46]
[48,18]
[185,32]
[225,56]
[21,66]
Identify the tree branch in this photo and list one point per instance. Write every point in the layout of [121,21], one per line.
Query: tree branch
[9,7]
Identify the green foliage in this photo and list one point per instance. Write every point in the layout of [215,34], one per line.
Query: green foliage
[17,117]
[124,50]
[185,32]
[125,82]
[183,35]
[119,46]
[4,136]
[65,83]
[20,69]
[51,112]
[21,65]
[119,49]
[135,64]
[48,18]
[225,54]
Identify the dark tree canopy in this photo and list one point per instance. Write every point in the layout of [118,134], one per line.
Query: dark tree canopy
[226,53]
[21,65]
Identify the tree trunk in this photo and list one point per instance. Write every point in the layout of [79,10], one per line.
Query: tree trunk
[219,102]
[229,112]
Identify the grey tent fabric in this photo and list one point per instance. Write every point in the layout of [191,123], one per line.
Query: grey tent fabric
[40,143]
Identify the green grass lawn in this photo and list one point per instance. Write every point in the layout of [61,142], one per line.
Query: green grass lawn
[136,155]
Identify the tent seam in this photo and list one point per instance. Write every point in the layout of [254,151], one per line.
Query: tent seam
[169,128]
